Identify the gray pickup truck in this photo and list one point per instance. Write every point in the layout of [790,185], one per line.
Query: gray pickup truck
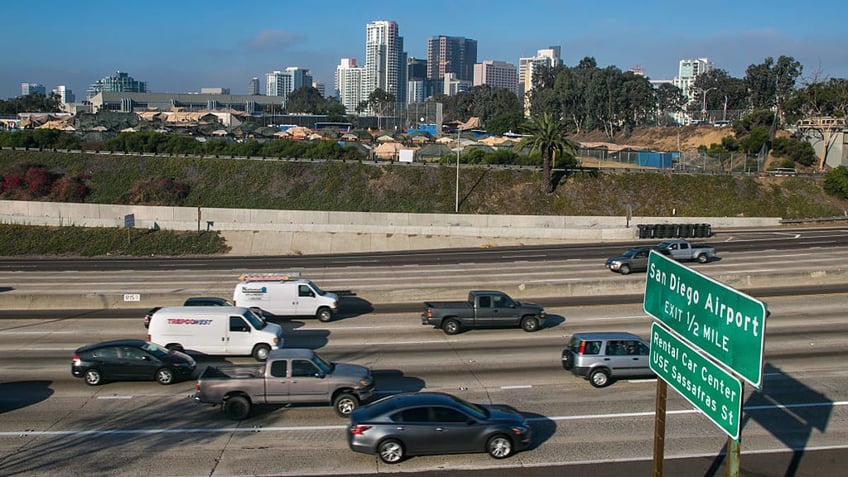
[290,375]
[484,308]
[684,251]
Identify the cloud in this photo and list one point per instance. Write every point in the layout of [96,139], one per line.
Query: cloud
[271,40]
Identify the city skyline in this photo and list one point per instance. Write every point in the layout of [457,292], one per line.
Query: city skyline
[224,45]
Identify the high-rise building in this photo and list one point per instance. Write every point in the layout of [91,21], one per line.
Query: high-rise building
[29,88]
[549,57]
[451,85]
[119,83]
[688,70]
[385,60]
[282,83]
[418,86]
[253,86]
[448,54]
[497,74]
[66,95]
[349,84]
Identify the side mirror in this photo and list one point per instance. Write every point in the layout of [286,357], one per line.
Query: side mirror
[319,374]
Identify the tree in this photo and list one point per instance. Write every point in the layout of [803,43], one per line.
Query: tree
[305,100]
[771,82]
[547,136]
[669,100]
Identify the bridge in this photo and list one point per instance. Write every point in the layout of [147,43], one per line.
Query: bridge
[828,137]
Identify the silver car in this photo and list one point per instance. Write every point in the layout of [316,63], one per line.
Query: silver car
[407,424]
[604,356]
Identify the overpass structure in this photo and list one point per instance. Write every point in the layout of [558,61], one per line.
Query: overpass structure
[828,137]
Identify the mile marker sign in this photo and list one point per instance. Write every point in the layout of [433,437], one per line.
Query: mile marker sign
[723,322]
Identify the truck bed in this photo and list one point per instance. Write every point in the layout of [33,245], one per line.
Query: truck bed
[448,304]
[233,371]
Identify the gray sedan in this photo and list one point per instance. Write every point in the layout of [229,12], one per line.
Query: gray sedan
[409,424]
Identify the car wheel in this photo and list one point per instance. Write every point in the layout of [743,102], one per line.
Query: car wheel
[390,451]
[237,408]
[499,446]
[324,315]
[624,269]
[345,403]
[450,327]
[529,324]
[567,360]
[260,352]
[599,378]
[93,377]
[702,258]
[164,376]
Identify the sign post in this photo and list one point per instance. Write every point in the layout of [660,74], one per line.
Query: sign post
[724,323]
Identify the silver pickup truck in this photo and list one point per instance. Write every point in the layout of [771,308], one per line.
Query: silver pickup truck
[290,375]
[683,250]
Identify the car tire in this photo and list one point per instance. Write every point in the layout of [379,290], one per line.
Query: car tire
[237,408]
[624,269]
[599,378]
[260,352]
[530,324]
[702,258]
[451,326]
[499,446]
[93,377]
[324,315]
[390,451]
[345,403]
[164,376]
[567,360]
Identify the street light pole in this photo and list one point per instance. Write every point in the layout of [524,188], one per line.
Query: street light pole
[458,144]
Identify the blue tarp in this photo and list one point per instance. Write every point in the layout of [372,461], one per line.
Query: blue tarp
[660,160]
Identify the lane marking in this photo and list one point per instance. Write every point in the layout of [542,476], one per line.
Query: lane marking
[524,386]
[114,397]
[190,430]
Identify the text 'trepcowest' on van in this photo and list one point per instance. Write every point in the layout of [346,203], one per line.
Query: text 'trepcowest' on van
[285,294]
[215,330]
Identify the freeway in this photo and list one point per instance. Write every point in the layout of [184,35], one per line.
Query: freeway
[53,424]
[724,241]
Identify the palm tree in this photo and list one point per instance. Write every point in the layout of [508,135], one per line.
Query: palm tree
[547,135]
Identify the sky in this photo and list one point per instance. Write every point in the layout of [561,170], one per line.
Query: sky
[180,46]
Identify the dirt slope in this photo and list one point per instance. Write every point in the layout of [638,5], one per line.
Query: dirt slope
[684,138]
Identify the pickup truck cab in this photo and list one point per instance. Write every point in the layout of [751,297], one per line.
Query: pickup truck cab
[289,376]
[484,308]
[683,250]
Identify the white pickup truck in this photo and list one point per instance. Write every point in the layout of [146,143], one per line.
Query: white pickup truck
[683,250]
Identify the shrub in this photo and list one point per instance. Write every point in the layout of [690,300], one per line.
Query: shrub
[157,192]
[836,182]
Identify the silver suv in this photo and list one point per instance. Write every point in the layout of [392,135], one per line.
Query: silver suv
[605,356]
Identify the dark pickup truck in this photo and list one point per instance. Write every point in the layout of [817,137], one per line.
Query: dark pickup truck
[484,308]
[290,375]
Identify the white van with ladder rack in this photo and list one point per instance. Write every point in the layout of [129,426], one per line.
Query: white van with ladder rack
[285,294]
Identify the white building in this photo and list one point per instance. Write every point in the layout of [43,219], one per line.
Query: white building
[548,57]
[497,74]
[688,70]
[349,84]
[29,88]
[282,83]
[385,61]
[66,95]
[453,85]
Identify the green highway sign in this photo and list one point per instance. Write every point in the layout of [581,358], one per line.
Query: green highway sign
[711,389]
[724,323]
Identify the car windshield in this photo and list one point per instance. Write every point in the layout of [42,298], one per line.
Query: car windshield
[256,321]
[630,253]
[154,349]
[471,408]
[326,366]
[315,287]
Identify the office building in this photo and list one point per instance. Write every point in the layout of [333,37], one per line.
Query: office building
[349,82]
[282,83]
[448,54]
[65,94]
[119,83]
[497,74]
[253,86]
[385,60]
[549,57]
[688,70]
[451,85]
[30,88]
[418,86]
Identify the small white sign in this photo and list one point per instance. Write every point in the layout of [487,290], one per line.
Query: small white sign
[132,297]
[406,155]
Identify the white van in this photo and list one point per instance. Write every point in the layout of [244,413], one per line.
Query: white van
[285,294]
[216,330]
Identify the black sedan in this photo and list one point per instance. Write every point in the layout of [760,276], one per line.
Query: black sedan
[130,360]
[402,425]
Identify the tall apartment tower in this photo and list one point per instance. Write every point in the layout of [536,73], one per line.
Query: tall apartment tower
[449,54]
[385,60]
[253,86]
[65,94]
[497,74]
[549,57]
[282,83]
[349,84]
[687,71]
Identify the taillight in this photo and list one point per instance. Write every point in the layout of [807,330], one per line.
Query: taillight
[358,430]
[582,347]
[429,312]
[197,386]
[76,358]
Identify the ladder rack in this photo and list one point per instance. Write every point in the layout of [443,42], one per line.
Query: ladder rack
[270,277]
